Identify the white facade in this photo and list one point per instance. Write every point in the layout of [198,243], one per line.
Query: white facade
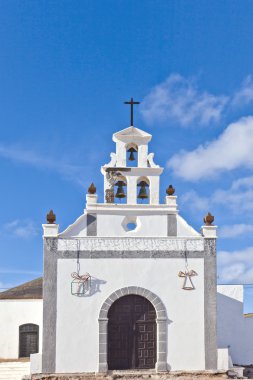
[183,320]
[13,314]
[157,258]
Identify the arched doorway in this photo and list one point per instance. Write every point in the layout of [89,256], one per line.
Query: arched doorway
[28,340]
[132,333]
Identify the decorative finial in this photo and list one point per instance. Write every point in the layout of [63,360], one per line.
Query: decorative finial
[92,189]
[208,219]
[51,218]
[170,190]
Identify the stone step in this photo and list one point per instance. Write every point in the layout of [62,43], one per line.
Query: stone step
[15,365]
[14,370]
[10,377]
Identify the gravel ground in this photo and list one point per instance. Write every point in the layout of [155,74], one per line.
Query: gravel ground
[117,376]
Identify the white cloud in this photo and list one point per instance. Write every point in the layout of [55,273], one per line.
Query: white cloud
[238,198]
[245,94]
[23,229]
[194,201]
[231,150]
[235,230]
[236,266]
[180,100]
[19,154]
[242,184]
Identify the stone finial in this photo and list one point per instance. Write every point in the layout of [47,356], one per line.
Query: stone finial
[170,190]
[51,217]
[92,189]
[208,219]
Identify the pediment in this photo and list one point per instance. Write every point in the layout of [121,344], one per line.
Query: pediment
[132,134]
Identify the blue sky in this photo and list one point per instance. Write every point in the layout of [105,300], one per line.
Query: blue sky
[65,70]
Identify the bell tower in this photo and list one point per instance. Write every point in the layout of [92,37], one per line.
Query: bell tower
[134,183]
[131,169]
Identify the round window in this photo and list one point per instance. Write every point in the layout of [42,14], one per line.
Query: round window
[131,226]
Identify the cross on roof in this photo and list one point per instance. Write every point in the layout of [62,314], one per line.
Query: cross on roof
[132,102]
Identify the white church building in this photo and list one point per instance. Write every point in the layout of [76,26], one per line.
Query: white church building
[131,285]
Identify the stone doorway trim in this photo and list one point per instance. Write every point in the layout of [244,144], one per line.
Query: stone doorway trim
[161,321]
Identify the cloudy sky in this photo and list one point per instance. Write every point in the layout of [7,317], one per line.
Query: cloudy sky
[65,70]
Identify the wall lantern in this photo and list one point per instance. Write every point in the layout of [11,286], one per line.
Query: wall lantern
[81,284]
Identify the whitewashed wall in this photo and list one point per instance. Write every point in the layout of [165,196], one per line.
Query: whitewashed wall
[147,225]
[113,225]
[234,329]
[14,313]
[77,317]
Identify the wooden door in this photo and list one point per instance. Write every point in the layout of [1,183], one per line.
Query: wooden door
[28,340]
[131,334]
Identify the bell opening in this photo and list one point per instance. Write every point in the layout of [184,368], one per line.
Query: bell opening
[132,155]
[120,195]
[143,191]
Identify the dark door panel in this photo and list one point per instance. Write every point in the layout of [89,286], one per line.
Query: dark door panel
[28,340]
[131,333]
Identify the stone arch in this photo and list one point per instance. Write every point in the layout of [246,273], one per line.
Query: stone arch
[161,320]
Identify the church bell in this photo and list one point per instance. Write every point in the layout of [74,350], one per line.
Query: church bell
[131,156]
[120,191]
[143,192]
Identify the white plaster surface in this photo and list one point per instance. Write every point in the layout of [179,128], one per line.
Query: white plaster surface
[223,359]
[116,208]
[111,224]
[184,229]
[112,161]
[50,230]
[149,225]
[234,329]
[78,228]
[91,198]
[209,231]
[77,317]
[171,200]
[150,159]
[14,313]
[143,156]
[120,154]
[36,363]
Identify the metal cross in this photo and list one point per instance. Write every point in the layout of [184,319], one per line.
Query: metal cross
[132,102]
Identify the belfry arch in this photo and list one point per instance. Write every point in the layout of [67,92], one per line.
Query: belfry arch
[143,184]
[161,325]
[132,154]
